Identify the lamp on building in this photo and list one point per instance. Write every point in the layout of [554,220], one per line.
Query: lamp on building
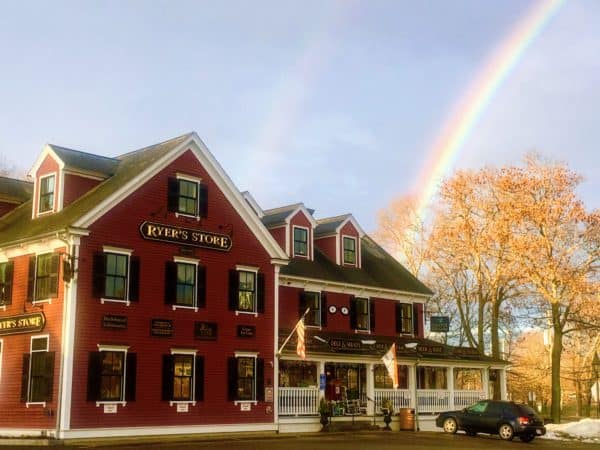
[596,373]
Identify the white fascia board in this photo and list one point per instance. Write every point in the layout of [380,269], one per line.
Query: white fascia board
[216,173]
[356,289]
[47,150]
[308,215]
[352,220]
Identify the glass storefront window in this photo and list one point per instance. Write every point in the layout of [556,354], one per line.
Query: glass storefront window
[298,374]
[468,379]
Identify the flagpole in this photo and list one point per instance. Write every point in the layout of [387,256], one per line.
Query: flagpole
[292,332]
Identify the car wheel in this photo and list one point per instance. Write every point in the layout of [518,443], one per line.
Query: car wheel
[506,432]
[450,425]
[527,437]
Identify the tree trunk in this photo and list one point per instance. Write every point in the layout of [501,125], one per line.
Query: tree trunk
[578,397]
[494,326]
[480,326]
[557,347]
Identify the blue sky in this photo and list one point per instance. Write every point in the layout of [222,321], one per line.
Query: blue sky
[331,103]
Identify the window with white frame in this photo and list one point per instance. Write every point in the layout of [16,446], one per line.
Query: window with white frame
[185,283]
[360,314]
[188,196]
[246,290]
[246,377]
[47,188]
[43,277]
[404,318]
[300,241]
[311,301]
[111,374]
[183,376]
[349,250]
[38,372]
[116,275]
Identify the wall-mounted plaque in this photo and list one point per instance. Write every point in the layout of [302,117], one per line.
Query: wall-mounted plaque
[161,327]
[246,331]
[439,324]
[25,323]
[205,331]
[112,321]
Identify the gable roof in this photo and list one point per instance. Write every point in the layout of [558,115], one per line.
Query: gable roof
[379,270]
[81,161]
[282,215]
[15,191]
[132,170]
[332,225]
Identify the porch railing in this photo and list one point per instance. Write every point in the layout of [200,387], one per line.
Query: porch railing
[433,400]
[462,399]
[401,398]
[298,401]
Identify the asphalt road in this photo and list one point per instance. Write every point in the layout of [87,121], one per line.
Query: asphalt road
[346,441]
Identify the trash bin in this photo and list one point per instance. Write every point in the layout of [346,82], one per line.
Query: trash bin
[407,419]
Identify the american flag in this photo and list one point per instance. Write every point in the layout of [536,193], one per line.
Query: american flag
[301,346]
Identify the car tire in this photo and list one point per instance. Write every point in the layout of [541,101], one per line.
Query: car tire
[450,425]
[527,437]
[506,432]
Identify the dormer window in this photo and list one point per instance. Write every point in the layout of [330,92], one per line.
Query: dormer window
[46,203]
[349,250]
[300,241]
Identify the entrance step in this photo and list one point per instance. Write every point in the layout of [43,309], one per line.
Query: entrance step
[356,426]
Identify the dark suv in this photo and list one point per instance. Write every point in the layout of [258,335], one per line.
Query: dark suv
[506,419]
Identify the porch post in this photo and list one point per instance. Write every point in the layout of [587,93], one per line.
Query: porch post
[485,379]
[450,374]
[503,392]
[412,383]
[370,389]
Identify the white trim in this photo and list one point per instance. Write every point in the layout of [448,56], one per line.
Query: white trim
[287,240]
[368,330]
[308,252]
[354,289]
[242,354]
[215,172]
[254,204]
[242,402]
[251,313]
[194,308]
[28,404]
[186,177]
[112,348]
[275,364]
[337,250]
[185,260]
[183,351]
[304,210]
[111,402]
[39,336]
[242,268]
[353,221]
[55,194]
[355,239]
[84,175]
[117,250]
[182,402]
[114,300]
[48,244]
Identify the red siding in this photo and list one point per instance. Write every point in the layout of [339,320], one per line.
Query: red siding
[300,220]
[13,348]
[279,235]
[76,186]
[327,246]
[120,228]
[6,207]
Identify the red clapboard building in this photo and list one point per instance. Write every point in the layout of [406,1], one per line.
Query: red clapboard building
[144,294]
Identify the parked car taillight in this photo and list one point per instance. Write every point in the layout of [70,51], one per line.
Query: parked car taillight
[524,420]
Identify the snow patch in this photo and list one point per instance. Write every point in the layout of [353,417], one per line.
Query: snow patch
[586,430]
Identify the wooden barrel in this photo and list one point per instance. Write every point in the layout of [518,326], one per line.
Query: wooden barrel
[407,419]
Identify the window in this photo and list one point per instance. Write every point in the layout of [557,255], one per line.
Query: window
[116,275]
[38,372]
[246,290]
[6,279]
[432,377]
[185,283]
[187,196]
[111,374]
[384,381]
[183,376]
[317,311]
[468,379]
[362,314]
[43,277]
[404,318]
[300,241]
[246,378]
[349,250]
[478,407]
[46,194]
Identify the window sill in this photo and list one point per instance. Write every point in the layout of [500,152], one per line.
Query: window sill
[111,402]
[250,313]
[242,402]
[358,331]
[315,327]
[194,308]
[42,404]
[3,307]
[182,402]
[39,302]
[187,216]
[114,300]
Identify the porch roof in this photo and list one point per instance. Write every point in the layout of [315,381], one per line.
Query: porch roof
[323,343]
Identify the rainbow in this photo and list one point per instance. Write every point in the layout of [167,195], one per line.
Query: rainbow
[477,97]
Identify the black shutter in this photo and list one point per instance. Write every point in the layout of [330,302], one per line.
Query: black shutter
[415,319]
[199,381]
[6,298]
[234,285]
[134,279]
[49,375]
[232,379]
[94,376]
[260,293]
[260,379]
[130,377]
[398,317]
[170,282]
[167,378]
[25,377]
[31,279]
[371,315]
[54,266]
[352,312]
[301,303]
[99,275]
[323,309]
[173,195]
[201,287]
[203,200]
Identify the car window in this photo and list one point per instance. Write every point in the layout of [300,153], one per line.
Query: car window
[478,407]
[526,409]
[494,409]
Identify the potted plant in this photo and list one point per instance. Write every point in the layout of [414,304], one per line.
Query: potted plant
[387,408]
[325,413]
